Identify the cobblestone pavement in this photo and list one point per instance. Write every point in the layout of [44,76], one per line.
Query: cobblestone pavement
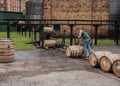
[52,68]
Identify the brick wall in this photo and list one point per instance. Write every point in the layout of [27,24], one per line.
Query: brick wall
[78,9]
[12,5]
[2,5]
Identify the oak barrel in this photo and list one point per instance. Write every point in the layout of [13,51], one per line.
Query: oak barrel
[48,30]
[49,43]
[94,58]
[107,61]
[74,51]
[116,67]
[6,50]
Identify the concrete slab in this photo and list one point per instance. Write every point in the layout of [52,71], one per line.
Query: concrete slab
[52,68]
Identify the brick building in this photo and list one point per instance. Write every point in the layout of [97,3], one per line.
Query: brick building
[67,9]
[78,9]
[12,5]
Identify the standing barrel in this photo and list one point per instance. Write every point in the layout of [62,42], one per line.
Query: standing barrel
[107,61]
[94,58]
[49,43]
[74,51]
[48,30]
[6,50]
[116,68]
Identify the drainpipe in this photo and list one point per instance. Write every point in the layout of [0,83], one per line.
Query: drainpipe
[20,5]
[5,2]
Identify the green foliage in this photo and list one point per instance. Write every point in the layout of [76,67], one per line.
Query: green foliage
[24,13]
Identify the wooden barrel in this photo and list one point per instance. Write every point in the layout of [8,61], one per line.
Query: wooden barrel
[6,50]
[94,58]
[48,30]
[74,51]
[49,43]
[116,67]
[107,61]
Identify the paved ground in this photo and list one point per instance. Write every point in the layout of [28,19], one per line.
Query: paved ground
[52,68]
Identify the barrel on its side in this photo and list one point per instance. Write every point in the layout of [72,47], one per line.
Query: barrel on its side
[6,50]
[74,51]
[107,61]
[94,58]
[49,43]
[48,30]
[116,67]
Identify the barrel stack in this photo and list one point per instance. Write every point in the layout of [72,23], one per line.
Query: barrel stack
[48,42]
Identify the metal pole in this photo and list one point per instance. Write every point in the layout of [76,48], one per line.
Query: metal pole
[8,30]
[51,9]
[35,33]
[91,16]
[64,37]
[25,30]
[117,35]
[5,2]
[96,34]
[20,5]
[42,35]
[71,34]
[29,31]
[91,22]
[115,32]
[39,34]
[22,30]
[17,28]
[63,40]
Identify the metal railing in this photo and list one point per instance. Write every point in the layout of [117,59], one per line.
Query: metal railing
[71,23]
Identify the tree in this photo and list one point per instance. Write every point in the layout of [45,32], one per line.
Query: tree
[24,13]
